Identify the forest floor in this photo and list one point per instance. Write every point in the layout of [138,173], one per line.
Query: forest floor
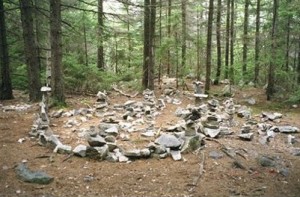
[149,177]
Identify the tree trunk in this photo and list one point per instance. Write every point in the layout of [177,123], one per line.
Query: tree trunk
[57,82]
[198,45]
[147,43]
[257,40]
[38,31]
[245,40]
[298,66]
[272,66]
[183,42]
[231,69]
[6,87]
[227,40]
[287,53]
[152,45]
[218,34]
[85,45]
[208,45]
[100,61]
[177,59]
[116,56]
[128,36]
[160,40]
[169,36]
[30,50]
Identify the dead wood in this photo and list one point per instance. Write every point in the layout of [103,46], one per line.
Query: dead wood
[201,171]
[124,94]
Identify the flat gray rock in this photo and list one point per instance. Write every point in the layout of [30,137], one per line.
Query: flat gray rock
[145,152]
[29,176]
[129,103]
[80,150]
[211,132]
[110,138]
[111,157]
[271,116]
[148,133]
[137,153]
[156,148]
[111,146]
[176,155]
[57,114]
[266,161]
[244,113]
[211,124]
[288,129]
[216,154]
[112,131]
[92,153]
[104,126]
[96,141]
[63,149]
[103,151]
[168,140]
[246,136]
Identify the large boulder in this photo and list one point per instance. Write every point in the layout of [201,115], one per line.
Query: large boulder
[26,175]
[169,141]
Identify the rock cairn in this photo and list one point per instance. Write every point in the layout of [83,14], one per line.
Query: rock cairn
[105,141]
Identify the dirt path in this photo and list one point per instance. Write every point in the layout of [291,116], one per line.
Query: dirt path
[147,177]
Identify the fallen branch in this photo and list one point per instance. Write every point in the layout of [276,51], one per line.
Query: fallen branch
[124,94]
[240,154]
[42,156]
[67,157]
[224,149]
[201,171]
[214,140]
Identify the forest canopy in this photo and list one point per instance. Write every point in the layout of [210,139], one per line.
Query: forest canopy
[88,45]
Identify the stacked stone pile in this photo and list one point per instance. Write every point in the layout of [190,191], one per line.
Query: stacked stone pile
[210,119]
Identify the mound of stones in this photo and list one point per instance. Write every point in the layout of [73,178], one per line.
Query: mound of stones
[210,119]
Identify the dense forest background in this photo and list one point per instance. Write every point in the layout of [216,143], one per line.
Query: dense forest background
[88,45]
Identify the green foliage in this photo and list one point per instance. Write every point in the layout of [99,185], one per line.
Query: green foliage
[294,97]
[80,78]
[19,78]
[56,103]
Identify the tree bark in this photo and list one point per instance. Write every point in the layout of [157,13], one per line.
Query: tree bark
[57,82]
[298,66]
[126,5]
[208,45]
[227,40]
[231,69]
[152,45]
[85,45]
[146,43]
[287,51]
[218,35]
[257,43]
[160,40]
[183,41]
[30,50]
[198,45]
[100,54]
[169,36]
[272,66]
[245,38]
[6,86]
[116,56]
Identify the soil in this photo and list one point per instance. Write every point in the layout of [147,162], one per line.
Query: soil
[76,176]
